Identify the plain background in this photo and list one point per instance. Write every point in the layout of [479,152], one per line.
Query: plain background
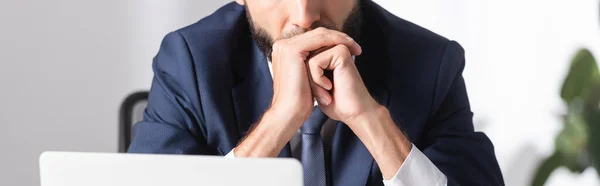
[66,65]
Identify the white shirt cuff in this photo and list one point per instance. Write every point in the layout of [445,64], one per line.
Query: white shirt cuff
[417,169]
[230,154]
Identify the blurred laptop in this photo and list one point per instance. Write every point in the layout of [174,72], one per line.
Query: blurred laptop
[102,169]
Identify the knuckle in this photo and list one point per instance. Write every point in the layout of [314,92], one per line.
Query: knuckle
[321,36]
[342,38]
[321,30]
[338,38]
[276,46]
[279,46]
[313,64]
[344,35]
[310,62]
[343,51]
[342,48]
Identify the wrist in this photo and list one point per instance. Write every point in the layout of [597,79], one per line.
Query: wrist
[285,118]
[384,140]
[376,113]
[376,126]
[270,135]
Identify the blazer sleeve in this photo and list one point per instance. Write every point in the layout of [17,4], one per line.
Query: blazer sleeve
[466,157]
[172,122]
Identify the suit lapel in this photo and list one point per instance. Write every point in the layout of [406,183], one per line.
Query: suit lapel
[252,96]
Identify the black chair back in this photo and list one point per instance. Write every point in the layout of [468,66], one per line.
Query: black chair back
[131,111]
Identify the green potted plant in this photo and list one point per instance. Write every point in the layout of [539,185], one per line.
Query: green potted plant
[575,145]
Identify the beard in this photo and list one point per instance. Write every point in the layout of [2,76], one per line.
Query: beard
[351,27]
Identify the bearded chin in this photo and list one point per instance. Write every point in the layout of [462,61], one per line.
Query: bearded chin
[352,26]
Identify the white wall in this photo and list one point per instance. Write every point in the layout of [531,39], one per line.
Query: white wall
[65,66]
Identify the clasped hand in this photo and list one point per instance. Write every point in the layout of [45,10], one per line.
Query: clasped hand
[299,67]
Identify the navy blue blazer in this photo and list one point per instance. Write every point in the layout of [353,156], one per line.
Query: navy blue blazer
[211,83]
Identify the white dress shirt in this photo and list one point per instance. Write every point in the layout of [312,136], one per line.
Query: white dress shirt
[417,169]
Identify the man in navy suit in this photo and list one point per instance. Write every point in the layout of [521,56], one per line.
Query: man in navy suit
[358,95]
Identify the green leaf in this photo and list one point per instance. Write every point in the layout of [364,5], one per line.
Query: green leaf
[572,143]
[582,75]
[591,113]
[546,168]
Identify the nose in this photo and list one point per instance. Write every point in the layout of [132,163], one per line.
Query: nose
[305,13]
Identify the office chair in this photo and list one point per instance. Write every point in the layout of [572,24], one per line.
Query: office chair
[131,111]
